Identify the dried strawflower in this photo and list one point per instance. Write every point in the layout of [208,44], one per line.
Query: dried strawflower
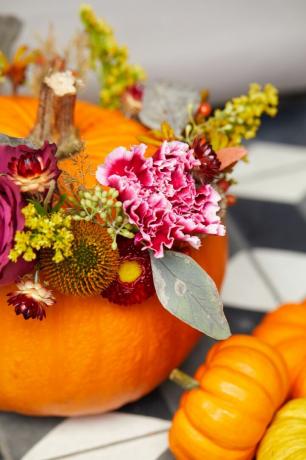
[131,99]
[31,169]
[210,165]
[90,269]
[30,299]
[134,281]
[160,196]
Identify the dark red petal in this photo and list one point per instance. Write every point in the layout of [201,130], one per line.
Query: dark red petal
[139,290]
[26,306]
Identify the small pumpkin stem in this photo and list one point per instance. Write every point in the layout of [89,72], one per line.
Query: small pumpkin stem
[55,115]
[183,380]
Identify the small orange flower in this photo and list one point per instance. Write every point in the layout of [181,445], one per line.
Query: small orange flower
[15,70]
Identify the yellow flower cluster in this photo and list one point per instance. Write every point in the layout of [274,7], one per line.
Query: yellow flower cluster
[43,231]
[116,74]
[240,118]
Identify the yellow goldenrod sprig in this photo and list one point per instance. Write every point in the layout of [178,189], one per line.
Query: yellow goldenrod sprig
[115,72]
[240,118]
[43,231]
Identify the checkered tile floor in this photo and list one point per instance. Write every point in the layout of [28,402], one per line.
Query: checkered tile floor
[267,266]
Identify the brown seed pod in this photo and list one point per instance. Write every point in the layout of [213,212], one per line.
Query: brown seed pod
[90,269]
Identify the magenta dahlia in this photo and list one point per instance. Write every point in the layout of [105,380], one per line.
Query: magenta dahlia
[160,196]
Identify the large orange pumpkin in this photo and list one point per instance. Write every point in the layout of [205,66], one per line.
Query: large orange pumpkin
[90,356]
[285,329]
[242,384]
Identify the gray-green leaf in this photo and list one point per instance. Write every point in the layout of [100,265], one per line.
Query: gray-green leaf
[14,141]
[188,292]
[10,28]
[168,102]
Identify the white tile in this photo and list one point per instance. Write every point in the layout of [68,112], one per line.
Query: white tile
[244,286]
[288,187]
[269,158]
[286,271]
[75,435]
[276,172]
[149,448]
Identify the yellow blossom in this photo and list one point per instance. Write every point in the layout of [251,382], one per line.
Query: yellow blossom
[115,72]
[43,231]
[240,118]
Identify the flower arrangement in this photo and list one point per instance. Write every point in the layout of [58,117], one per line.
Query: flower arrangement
[128,237]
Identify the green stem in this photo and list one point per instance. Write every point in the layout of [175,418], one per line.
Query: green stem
[49,194]
[183,380]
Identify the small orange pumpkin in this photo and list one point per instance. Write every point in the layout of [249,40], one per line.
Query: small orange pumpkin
[242,383]
[285,329]
[90,356]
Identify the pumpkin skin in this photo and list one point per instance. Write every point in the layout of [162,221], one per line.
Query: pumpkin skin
[90,356]
[285,329]
[286,437]
[242,383]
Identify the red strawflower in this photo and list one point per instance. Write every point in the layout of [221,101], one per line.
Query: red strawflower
[30,299]
[31,169]
[210,164]
[134,282]
[132,99]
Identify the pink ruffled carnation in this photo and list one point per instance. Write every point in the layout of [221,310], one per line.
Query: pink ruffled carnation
[160,197]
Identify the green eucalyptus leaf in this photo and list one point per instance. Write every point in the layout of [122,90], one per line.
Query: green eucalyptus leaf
[188,292]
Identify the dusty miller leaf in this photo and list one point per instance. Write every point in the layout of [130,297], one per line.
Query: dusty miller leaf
[10,28]
[167,102]
[188,292]
[14,141]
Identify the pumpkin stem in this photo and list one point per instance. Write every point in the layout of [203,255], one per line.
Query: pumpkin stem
[183,380]
[55,115]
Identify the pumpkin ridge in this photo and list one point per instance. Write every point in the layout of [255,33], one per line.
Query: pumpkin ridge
[221,396]
[265,355]
[252,380]
[217,441]
[181,447]
[210,438]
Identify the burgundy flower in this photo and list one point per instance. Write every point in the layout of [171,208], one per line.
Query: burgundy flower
[134,281]
[210,164]
[31,169]
[11,220]
[160,196]
[30,299]
[132,99]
